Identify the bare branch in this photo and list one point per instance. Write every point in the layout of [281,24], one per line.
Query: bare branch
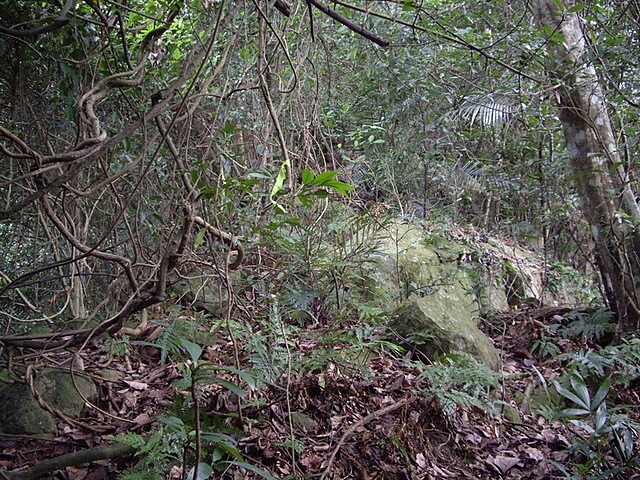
[59,21]
[349,24]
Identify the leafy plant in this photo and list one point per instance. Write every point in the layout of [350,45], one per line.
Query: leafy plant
[488,109]
[175,329]
[545,345]
[589,326]
[156,454]
[185,436]
[606,448]
[619,362]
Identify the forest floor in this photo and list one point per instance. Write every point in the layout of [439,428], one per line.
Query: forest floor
[342,421]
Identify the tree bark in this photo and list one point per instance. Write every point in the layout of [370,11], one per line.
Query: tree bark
[609,204]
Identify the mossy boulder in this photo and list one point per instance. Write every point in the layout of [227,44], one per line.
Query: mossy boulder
[414,259]
[441,324]
[20,413]
[65,392]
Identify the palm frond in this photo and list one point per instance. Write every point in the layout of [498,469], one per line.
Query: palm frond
[488,109]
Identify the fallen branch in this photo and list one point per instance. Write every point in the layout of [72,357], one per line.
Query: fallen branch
[63,461]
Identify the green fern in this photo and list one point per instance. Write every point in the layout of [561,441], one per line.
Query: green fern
[140,472]
[155,453]
[460,381]
[173,332]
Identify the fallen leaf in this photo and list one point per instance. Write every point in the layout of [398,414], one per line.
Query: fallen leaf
[136,385]
[143,419]
[504,464]
[534,454]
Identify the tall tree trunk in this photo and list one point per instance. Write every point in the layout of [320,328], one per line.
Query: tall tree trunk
[608,201]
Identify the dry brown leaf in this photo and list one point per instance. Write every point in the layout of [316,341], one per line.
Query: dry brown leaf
[503,463]
[137,385]
[534,454]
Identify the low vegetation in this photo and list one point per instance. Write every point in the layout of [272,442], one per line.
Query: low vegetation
[197,200]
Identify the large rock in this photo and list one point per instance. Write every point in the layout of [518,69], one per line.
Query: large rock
[20,413]
[410,262]
[441,324]
[64,392]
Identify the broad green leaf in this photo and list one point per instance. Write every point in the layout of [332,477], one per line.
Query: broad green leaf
[204,471]
[200,237]
[307,176]
[249,378]
[279,183]
[217,437]
[581,390]
[338,186]
[232,387]
[323,177]
[277,186]
[174,423]
[600,418]
[602,393]
[576,8]
[193,349]
[229,448]
[228,128]
[569,395]
[575,412]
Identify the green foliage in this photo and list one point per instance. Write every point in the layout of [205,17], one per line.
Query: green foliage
[619,362]
[488,110]
[561,276]
[185,433]
[429,123]
[316,185]
[325,256]
[459,381]
[175,330]
[590,327]
[608,449]
[156,454]
[545,346]
[270,342]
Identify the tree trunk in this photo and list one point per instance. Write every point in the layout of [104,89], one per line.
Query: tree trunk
[608,202]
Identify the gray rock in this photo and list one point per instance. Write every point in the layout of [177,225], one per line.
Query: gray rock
[442,323]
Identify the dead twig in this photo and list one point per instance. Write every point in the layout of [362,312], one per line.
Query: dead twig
[359,423]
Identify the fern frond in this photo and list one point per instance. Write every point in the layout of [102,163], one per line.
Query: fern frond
[458,380]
